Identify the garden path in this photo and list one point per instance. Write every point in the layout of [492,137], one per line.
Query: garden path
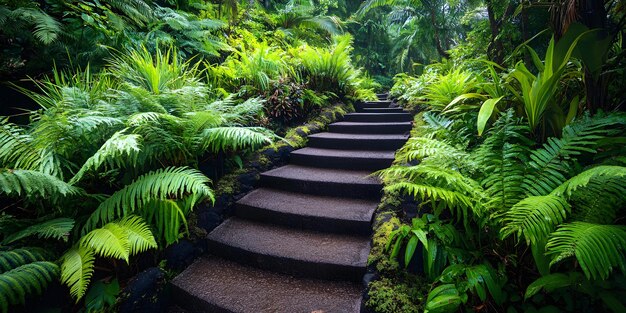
[300,242]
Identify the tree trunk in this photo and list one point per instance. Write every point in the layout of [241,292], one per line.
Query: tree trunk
[442,52]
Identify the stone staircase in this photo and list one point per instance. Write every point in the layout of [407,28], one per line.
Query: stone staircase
[300,242]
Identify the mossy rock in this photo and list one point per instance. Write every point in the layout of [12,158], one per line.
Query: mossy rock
[378,256]
[390,295]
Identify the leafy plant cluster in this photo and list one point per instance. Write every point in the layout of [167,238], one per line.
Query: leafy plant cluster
[140,95]
[521,189]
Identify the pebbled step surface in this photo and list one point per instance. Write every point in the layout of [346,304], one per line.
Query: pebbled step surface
[378,117]
[331,214]
[291,251]
[216,285]
[382,110]
[346,159]
[370,128]
[323,181]
[357,141]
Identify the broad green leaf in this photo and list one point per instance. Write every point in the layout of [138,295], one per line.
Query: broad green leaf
[486,110]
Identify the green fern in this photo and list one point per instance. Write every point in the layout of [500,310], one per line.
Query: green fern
[17,257]
[551,165]
[121,239]
[502,157]
[418,148]
[46,28]
[57,228]
[167,217]
[157,185]
[234,138]
[597,248]
[77,269]
[28,279]
[17,148]
[33,184]
[430,182]
[535,218]
[118,151]
[596,176]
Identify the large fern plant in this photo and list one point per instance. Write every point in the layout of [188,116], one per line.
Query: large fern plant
[559,199]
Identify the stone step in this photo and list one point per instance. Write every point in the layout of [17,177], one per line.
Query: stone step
[382,96]
[216,285]
[326,214]
[343,159]
[381,110]
[378,117]
[370,128]
[303,253]
[374,104]
[322,181]
[357,141]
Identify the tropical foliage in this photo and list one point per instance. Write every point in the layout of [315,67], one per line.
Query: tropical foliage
[532,206]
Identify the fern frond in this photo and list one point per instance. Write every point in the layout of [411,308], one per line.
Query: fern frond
[47,29]
[18,257]
[167,217]
[77,269]
[502,157]
[17,148]
[138,233]
[597,248]
[33,184]
[535,218]
[57,228]
[551,164]
[161,184]
[234,138]
[417,148]
[110,240]
[25,280]
[118,151]
[583,179]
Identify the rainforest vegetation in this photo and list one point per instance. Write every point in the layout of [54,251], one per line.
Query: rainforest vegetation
[119,116]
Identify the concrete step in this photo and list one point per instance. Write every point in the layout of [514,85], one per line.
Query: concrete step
[378,117]
[343,159]
[291,251]
[370,128]
[357,141]
[215,285]
[381,110]
[382,96]
[326,214]
[324,182]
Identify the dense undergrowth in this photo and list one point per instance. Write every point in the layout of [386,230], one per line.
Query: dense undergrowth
[104,173]
[520,186]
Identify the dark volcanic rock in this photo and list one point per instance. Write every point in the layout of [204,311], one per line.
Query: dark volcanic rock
[145,293]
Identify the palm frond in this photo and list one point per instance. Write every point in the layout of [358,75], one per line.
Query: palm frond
[534,218]
[169,183]
[597,248]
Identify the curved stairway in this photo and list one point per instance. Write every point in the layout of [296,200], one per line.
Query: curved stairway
[300,242]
